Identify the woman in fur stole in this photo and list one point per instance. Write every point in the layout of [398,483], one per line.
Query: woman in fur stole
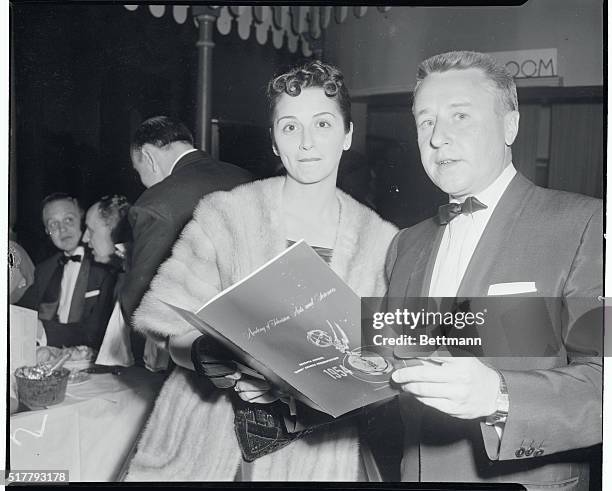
[190,434]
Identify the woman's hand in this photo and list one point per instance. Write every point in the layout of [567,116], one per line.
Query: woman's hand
[215,362]
[255,390]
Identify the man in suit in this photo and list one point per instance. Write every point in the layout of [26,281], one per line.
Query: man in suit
[176,176]
[517,418]
[72,294]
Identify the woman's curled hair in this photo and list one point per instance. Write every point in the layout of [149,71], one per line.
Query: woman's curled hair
[312,74]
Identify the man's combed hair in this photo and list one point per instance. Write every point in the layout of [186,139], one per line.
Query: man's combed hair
[60,197]
[114,211]
[312,74]
[161,131]
[464,60]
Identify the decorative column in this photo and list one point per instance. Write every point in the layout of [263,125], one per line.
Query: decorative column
[206,18]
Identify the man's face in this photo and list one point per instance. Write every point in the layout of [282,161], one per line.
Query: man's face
[98,235]
[463,133]
[62,220]
[142,165]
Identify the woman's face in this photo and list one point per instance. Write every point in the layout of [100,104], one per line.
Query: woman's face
[98,235]
[309,135]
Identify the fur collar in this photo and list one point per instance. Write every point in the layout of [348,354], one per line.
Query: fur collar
[189,435]
[234,232]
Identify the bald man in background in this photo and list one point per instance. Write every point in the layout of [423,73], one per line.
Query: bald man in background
[176,176]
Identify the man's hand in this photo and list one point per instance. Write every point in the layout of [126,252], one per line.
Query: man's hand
[461,387]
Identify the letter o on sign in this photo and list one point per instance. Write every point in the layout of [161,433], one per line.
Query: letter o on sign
[526,63]
[513,68]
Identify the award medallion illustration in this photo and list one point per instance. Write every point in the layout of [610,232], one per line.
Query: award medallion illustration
[319,338]
[360,363]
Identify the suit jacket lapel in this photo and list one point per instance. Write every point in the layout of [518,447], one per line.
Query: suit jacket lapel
[414,264]
[45,273]
[431,261]
[47,308]
[80,288]
[412,272]
[495,241]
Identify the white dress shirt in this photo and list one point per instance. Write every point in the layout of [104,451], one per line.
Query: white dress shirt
[461,236]
[69,278]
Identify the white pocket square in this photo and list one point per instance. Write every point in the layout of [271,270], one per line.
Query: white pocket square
[512,288]
[92,293]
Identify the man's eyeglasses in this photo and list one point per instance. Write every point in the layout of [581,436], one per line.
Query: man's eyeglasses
[54,226]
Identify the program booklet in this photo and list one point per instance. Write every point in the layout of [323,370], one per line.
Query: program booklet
[297,323]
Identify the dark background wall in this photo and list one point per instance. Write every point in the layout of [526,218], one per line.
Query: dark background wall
[560,142]
[383,57]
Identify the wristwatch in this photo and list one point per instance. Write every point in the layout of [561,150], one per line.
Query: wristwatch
[502,403]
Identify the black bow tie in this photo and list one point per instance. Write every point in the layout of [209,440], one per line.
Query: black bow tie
[448,212]
[64,259]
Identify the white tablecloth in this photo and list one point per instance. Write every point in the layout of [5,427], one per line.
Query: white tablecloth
[92,432]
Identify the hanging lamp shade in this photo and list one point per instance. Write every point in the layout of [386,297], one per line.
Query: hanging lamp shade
[291,27]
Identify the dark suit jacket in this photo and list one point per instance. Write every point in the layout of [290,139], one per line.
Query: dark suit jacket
[90,309]
[554,239]
[162,211]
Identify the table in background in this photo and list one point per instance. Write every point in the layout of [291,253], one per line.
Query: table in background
[92,432]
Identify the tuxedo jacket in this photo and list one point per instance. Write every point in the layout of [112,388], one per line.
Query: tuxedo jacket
[555,240]
[90,309]
[161,212]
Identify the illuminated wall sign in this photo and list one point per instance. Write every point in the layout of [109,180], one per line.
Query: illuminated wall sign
[529,63]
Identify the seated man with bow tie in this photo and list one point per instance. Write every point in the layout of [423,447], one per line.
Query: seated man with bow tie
[72,294]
